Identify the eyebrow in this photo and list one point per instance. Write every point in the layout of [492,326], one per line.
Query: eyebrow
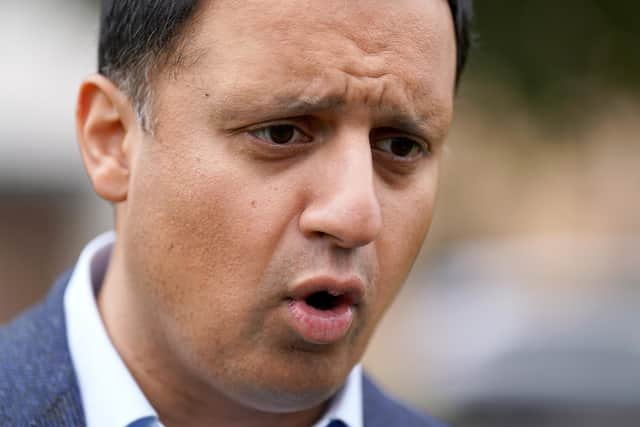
[281,106]
[409,123]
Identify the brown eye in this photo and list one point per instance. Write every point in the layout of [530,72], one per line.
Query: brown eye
[281,134]
[404,148]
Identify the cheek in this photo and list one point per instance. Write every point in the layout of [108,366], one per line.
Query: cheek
[407,218]
[192,222]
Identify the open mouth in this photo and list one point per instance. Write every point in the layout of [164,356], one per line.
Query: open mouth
[327,301]
[321,310]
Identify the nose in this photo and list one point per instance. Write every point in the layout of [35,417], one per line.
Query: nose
[343,205]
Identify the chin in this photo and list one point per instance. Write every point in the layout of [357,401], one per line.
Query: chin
[301,381]
[288,398]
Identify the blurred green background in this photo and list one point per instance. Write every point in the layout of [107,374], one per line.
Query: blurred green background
[522,306]
[555,54]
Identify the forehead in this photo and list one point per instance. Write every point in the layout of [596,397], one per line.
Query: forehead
[373,25]
[320,50]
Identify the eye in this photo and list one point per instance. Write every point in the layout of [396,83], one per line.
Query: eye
[280,134]
[400,147]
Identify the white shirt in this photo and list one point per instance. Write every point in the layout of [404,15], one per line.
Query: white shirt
[110,395]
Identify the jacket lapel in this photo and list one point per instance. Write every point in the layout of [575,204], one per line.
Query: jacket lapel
[38,386]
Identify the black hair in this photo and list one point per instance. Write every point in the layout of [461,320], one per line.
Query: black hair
[462,11]
[138,37]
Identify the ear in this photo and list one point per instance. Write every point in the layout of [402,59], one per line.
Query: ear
[105,124]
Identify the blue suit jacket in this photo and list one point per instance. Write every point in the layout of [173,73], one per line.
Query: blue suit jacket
[38,385]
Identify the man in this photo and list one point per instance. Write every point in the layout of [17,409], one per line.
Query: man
[273,166]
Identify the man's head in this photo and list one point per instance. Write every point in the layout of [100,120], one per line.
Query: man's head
[269,218]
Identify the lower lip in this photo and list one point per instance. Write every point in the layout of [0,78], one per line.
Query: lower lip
[320,326]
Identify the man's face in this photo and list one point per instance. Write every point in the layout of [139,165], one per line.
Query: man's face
[288,185]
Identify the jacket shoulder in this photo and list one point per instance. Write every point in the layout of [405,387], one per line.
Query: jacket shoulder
[380,410]
[37,380]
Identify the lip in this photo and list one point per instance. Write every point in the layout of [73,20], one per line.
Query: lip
[324,326]
[351,287]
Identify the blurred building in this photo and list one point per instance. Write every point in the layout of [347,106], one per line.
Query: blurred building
[46,205]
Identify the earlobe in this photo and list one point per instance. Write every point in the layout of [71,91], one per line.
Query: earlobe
[105,123]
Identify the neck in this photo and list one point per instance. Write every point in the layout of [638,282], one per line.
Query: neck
[178,396]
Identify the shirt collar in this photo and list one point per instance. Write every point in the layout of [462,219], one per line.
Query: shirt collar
[346,405]
[110,395]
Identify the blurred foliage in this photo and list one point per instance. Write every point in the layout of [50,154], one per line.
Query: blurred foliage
[554,53]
